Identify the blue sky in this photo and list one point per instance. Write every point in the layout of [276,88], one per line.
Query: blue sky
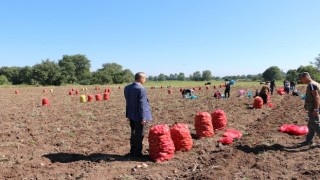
[230,37]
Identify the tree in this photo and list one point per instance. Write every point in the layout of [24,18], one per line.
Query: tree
[75,68]
[101,77]
[3,80]
[181,77]
[12,74]
[114,70]
[173,76]
[196,76]
[271,73]
[25,75]
[313,71]
[317,61]
[128,76]
[68,69]
[47,73]
[206,75]
[112,73]
[292,75]
[150,78]
[161,77]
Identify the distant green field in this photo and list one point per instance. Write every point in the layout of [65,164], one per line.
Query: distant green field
[162,83]
[200,83]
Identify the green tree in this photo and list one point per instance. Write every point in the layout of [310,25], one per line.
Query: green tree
[161,77]
[47,73]
[101,77]
[150,78]
[3,80]
[316,62]
[128,76]
[25,75]
[68,69]
[114,70]
[271,73]
[313,71]
[206,75]
[173,76]
[75,68]
[181,77]
[197,76]
[12,74]
[112,73]
[292,75]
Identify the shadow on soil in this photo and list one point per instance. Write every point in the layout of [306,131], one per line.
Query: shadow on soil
[96,157]
[275,147]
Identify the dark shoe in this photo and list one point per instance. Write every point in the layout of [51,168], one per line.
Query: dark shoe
[138,155]
[306,143]
[128,155]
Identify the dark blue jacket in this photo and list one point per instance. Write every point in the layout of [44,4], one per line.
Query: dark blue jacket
[137,103]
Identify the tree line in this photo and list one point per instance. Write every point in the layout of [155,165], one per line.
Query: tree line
[75,69]
[271,73]
[71,69]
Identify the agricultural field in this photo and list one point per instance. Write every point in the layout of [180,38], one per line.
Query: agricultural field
[72,140]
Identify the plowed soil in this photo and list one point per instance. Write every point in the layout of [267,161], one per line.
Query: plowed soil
[73,140]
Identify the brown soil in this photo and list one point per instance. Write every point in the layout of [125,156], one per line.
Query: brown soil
[73,140]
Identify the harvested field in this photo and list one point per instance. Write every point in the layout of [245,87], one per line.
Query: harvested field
[73,140]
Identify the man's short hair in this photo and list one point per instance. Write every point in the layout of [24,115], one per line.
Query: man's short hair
[139,75]
[304,74]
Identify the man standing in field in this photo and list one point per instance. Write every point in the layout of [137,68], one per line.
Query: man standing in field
[272,86]
[227,90]
[138,112]
[312,102]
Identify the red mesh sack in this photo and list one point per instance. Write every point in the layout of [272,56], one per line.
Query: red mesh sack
[226,140]
[207,88]
[45,102]
[257,102]
[232,133]
[270,105]
[203,124]
[90,98]
[219,120]
[169,91]
[294,129]
[161,146]
[281,91]
[70,93]
[200,88]
[181,137]
[106,96]
[98,97]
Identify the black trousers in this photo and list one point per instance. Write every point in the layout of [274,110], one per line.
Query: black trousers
[227,93]
[137,135]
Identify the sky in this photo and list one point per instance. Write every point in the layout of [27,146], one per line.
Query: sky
[227,37]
